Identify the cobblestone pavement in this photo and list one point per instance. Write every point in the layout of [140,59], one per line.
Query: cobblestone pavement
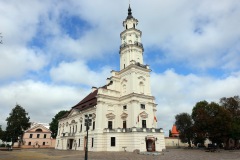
[170,154]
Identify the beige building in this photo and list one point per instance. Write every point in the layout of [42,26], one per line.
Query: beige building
[123,112]
[38,136]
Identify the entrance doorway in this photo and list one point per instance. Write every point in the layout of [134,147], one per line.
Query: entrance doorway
[70,143]
[150,144]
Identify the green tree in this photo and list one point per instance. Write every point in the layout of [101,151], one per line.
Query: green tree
[184,125]
[54,123]
[232,104]
[211,121]
[1,132]
[17,123]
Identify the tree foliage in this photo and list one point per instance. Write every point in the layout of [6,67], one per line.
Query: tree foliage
[232,104]
[54,123]
[184,125]
[17,123]
[1,132]
[211,121]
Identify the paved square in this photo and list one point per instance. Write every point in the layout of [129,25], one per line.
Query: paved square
[170,154]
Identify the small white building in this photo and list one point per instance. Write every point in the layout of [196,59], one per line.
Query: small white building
[123,111]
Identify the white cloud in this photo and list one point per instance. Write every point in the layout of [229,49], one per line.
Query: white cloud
[78,73]
[199,34]
[42,101]
[176,93]
[15,62]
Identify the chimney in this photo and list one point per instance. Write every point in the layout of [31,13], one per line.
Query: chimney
[94,89]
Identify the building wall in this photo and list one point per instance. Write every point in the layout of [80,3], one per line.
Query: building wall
[33,138]
[174,142]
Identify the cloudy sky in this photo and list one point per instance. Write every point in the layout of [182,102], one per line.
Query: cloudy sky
[53,52]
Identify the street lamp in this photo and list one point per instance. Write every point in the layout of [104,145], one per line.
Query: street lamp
[88,122]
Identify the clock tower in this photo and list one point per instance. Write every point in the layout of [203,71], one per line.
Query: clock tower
[131,49]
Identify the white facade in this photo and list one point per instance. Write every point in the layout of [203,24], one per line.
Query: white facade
[123,111]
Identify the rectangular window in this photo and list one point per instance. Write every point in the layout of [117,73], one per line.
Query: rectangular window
[81,128]
[76,129]
[109,124]
[79,142]
[30,136]
[113,141]
[142,106]
[43,144]
[124,124]
[125,107]
[38,135]
[93,127]
[92,141]
[144,124]
[45,136]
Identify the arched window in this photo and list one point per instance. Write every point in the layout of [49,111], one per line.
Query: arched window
[126,26]
[38,130]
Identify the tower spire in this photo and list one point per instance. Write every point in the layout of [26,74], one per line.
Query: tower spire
[129,12]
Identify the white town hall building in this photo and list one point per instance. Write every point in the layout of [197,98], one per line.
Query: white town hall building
[123,111]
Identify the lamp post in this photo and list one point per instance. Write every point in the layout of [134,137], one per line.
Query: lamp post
[88,122]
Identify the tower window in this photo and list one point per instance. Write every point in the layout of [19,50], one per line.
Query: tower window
[134,25]
[93,125]
[113,141]
[109,124]
[79,142]
[142,106]
[124,124]
[126,26]
[125,107]
[144,124]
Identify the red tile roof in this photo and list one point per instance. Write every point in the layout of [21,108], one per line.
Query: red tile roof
[174,131]
[87,102]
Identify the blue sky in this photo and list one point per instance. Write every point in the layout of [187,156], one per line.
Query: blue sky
[53,52]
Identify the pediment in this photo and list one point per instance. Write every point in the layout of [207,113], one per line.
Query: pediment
[80,119]
[124,115]
[38,128]
[73,112]
[141,78]
[110,116]
[143,114]
[124,81]
[93,116]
